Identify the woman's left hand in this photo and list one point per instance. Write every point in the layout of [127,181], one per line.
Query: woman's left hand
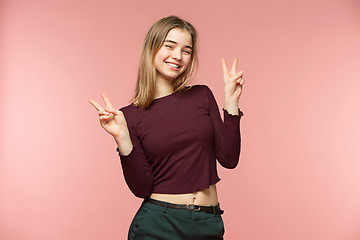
[233,82]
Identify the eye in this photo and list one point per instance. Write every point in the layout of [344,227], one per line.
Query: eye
[169,46]
[187,52]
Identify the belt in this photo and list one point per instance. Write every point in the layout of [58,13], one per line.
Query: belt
[208,209]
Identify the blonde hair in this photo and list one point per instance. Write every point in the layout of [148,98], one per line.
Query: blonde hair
[146,79]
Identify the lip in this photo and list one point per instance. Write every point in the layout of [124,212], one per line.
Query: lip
[171,67]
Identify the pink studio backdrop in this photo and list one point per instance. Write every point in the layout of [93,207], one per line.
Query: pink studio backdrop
[299,175]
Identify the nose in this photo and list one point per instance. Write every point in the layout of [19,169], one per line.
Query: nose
[177,54]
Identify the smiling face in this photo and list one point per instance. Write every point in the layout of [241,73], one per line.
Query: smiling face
[174,56]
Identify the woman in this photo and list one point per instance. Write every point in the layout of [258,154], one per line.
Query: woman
[170,136]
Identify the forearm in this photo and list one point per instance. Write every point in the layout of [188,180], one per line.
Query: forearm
[124,144]
[136,168]
[229,143]
[231,106]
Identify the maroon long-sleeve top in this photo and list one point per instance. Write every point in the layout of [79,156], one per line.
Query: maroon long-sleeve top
[176,142]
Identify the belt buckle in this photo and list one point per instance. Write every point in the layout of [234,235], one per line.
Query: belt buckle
[191,207]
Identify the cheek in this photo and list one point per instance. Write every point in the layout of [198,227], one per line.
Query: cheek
[187,61]
[159,58]
[161,54]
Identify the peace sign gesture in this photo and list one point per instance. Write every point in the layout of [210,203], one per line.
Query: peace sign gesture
[111,119]
[233,81]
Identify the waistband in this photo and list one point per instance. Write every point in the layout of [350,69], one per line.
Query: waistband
[216,210]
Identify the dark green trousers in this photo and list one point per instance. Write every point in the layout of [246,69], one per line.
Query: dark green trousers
[153,222]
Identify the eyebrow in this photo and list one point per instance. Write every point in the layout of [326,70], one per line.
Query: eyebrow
[187,46]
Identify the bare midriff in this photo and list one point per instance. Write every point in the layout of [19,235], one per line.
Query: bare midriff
[205,197]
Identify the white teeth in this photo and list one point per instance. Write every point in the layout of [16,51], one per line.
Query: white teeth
[173,65]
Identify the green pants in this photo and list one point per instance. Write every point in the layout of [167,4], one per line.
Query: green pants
[153,222]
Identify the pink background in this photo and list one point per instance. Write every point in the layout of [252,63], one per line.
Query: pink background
[299,175]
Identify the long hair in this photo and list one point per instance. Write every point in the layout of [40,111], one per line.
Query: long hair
[146,79]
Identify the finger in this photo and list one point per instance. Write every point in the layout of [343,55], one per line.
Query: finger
[96,105]
[237,76]
[107,100]
[240,81]
[101,110]
[105,117]
[234,66]
[225,69]
[112,110]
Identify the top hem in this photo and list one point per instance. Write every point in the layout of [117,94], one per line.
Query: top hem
[196,189]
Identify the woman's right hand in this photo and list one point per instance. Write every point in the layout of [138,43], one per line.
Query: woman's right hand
[111,119]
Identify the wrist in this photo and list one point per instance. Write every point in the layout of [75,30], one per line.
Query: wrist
[122,136]
[231,107]
[125,145]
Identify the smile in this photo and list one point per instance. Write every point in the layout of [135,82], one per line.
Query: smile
[173,65]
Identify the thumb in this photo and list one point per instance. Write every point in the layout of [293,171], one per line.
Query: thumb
[112,110]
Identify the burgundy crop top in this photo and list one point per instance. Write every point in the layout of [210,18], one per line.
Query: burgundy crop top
[176,142]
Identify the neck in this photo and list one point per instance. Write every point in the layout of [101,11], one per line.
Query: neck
[162,88]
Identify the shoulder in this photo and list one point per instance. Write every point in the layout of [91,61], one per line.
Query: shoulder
[131,113]
[200,93]
[204,91]
[128,108]
[200,88]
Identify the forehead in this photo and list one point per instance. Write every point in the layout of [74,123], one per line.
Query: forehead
[180,36]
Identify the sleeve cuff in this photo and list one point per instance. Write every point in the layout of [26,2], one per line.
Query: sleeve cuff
[125,156]
[239,112]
